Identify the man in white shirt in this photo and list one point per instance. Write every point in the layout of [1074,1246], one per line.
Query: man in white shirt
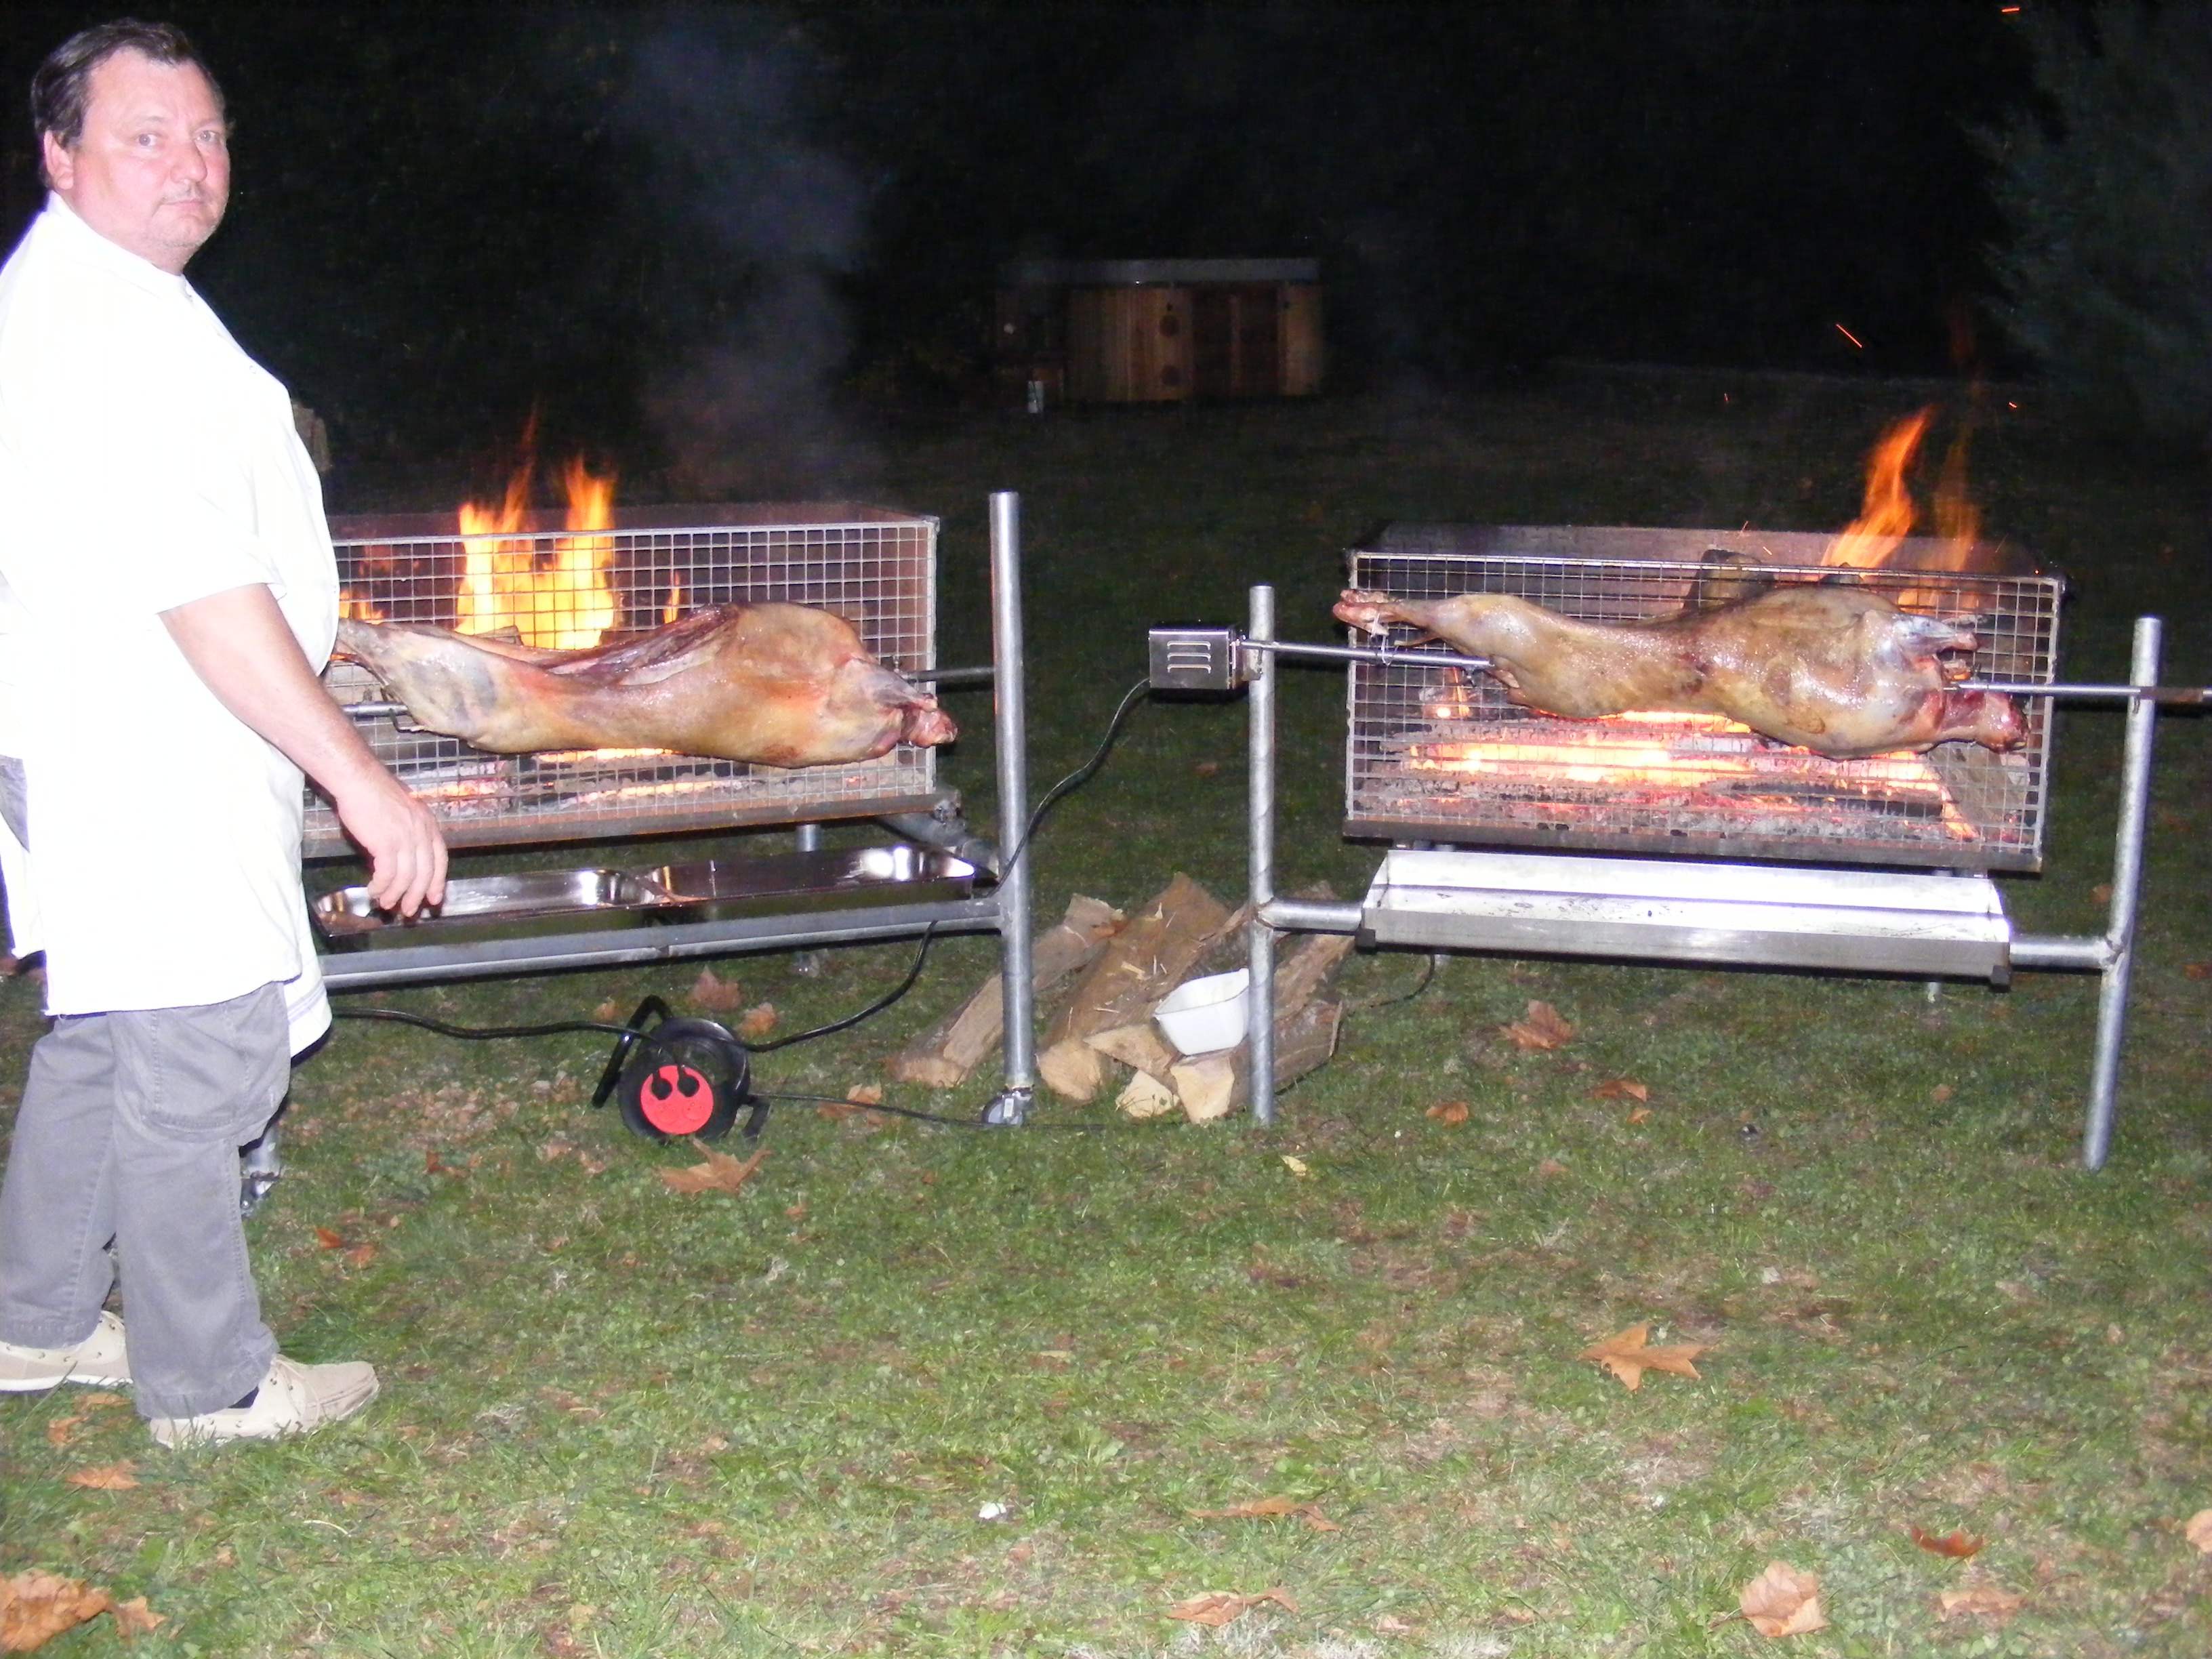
[167,595]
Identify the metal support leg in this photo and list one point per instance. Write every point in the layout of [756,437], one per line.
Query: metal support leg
[810,964]
[1260,795]
[1012,1103]
[259,1170]
[2127,884]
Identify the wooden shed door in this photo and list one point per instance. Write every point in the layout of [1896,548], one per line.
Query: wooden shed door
[1235,344]
[1130,344]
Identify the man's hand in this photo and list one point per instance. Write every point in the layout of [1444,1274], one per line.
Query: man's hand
[239,643]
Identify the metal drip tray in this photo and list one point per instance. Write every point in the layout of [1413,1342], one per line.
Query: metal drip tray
[494,907]
[716,890]
[1858,920]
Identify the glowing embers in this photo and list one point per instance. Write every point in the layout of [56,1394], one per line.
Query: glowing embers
[557,595]
[1696,774]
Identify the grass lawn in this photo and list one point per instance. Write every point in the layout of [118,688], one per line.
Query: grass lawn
[926,1390]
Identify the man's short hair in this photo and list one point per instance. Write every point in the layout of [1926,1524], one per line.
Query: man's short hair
[61,87]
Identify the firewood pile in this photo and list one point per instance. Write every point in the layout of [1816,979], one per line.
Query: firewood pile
[1099,975]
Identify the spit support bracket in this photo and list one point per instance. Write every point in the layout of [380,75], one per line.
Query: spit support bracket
[1217,657]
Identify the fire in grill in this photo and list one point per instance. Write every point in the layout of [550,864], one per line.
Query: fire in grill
[567,585]
[1439,754]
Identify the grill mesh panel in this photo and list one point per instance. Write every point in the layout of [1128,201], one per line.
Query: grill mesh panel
[1440,755]
[875,569]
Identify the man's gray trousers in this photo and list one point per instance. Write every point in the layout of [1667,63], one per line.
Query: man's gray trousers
[130,1130]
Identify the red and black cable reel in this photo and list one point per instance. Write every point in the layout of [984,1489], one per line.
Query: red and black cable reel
[680,1077]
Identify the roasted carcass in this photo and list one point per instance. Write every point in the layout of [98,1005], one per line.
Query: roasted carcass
[777,684]
[1831,666]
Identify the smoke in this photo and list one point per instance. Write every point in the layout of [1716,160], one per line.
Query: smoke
[724,104]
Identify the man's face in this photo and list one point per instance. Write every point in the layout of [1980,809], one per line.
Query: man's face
[151,171]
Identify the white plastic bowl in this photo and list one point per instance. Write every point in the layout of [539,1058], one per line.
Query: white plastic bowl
[1203,1016]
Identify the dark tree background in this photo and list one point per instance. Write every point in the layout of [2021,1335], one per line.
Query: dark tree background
[447,216]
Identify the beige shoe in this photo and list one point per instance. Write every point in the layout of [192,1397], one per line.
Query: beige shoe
[292,1400]
[100,1359]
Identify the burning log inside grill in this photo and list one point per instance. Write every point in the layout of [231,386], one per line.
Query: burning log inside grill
[775,685]
[1833,668]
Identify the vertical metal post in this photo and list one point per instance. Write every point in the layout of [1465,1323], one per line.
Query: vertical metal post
[1259,795]
[806,837]
[1009,698]
[2127,884]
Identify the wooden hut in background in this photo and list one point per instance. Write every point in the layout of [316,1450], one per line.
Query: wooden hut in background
[1160,331]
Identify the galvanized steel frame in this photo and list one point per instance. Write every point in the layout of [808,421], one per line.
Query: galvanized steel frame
[2110,954]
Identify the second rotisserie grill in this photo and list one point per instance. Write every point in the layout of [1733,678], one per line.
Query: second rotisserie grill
[1441,755]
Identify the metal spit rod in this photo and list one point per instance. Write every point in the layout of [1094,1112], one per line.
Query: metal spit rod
[2179,696]
[384,711]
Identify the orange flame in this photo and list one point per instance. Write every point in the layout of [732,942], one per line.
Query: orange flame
[557,597]
[1888,514]
[1886,519]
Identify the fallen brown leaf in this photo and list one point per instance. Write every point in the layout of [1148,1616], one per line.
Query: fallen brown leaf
[1219,1607]
[62,1430]
[108,1477]
[1783,1601]
[100,1397]
[1550,1166]
[2198,969]
[609,1010]
[1639,1114]
[1263,1508]
[1621,1088]
[361,1255]
[758,1021]
[858,1098]
[36,1606]
[720,1173]
[1449,1111]
[1955,1544]
[135,1618]
[1542,1029]
[713,993]
[1627,1358]
[329,1240]
[1985,1600]
[2197,1529]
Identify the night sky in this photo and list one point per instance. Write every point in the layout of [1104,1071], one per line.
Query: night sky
[446,216]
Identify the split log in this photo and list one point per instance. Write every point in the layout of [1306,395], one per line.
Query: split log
[1146,1095]
[942,1056]
[1212,1086]
[1142,963]
[1141,1046]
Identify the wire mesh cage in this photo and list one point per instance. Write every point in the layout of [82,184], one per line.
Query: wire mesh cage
[565,589]
[1439,754]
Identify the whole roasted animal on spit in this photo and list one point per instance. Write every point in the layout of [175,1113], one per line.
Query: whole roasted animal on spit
[772,683]
[1833,668]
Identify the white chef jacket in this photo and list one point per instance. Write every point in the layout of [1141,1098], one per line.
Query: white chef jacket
[145,461]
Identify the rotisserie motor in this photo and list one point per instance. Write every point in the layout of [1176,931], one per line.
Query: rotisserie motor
[1833,668]
[771,684]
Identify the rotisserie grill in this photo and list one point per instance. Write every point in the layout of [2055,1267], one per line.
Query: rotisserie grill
[1441,755]
[656,565]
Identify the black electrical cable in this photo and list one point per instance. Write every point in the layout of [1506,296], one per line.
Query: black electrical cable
[1082,774]
[478,1033]
[928,938]
[1428,975]
[932,1117]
